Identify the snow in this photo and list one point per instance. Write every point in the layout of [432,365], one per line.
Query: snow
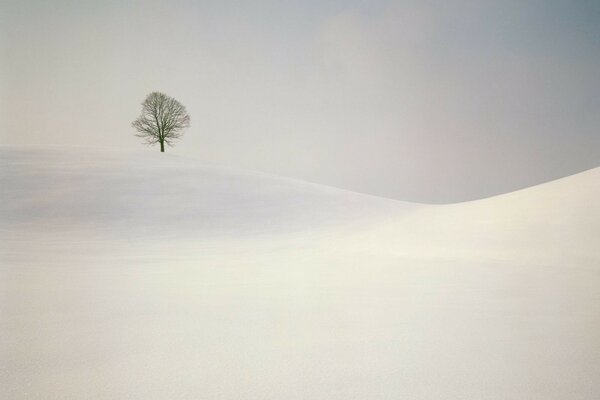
[147,276]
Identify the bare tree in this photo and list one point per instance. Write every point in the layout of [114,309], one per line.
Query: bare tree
[163,120]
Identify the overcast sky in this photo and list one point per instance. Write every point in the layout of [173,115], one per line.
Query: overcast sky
[434,101]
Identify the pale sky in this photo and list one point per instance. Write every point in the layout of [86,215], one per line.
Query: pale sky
[432,101]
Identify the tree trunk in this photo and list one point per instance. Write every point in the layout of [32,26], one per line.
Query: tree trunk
[162,146]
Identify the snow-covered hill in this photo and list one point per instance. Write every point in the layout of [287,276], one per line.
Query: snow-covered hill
[145,276]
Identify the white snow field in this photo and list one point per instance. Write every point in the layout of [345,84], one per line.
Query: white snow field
[148,276]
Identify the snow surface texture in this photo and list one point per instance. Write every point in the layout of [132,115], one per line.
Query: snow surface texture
[147,276]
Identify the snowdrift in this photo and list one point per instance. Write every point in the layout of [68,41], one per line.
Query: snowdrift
[145,276]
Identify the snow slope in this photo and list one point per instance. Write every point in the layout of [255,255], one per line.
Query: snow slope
[147,276]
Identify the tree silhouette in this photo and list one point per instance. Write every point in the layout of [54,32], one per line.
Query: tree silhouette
[163,120]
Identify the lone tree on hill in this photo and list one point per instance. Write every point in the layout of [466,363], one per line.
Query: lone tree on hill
[163,120]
